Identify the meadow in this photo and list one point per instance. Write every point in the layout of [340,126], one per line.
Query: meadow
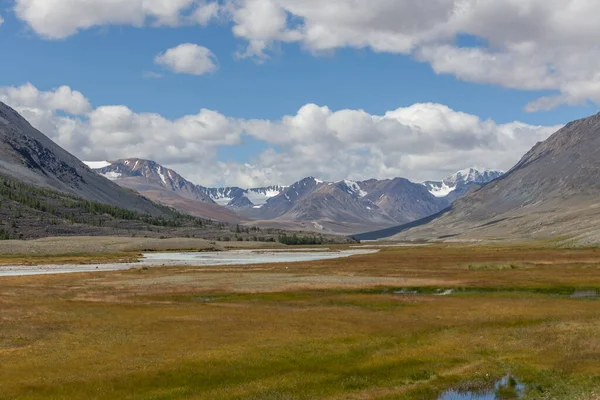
[406,323]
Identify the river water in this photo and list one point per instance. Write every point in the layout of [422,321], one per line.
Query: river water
[202,259]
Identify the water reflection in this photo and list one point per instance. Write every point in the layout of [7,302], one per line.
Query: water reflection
[505,389]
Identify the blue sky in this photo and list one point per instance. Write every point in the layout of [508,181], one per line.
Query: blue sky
[108,64]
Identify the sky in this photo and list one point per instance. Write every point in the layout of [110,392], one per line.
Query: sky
[260,92]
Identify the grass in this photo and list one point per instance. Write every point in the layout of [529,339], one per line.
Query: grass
[74,258]
[308,330]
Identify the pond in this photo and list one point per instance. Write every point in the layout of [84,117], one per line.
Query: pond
[504,389]
[202,259]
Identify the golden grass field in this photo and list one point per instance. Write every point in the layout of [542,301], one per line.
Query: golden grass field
[336,329]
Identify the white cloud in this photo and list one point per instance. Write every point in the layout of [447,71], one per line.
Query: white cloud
[526,44]
[420,142]
[530,44]
[60,99]
[57,19]
[189,59]
[205,13]
[1,20]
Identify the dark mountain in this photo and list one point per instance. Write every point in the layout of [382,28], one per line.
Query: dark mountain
[29,156]
[554,191]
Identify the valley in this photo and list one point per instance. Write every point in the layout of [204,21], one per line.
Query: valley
[370,326]
[300,200]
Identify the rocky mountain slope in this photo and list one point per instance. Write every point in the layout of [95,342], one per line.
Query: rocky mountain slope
[340,207]
[352,207]
[165,186]
[554,191]
[143,175]
[29,156]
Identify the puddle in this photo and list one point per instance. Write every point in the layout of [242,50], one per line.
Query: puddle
[585,294]
[434,292]
[204,259]
[505,389]
[562,292]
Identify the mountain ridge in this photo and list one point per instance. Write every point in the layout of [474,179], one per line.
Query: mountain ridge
[343,207]
[29,156]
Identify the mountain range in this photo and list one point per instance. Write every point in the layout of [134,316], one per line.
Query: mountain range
[337,207]
[553,192]
[45,191]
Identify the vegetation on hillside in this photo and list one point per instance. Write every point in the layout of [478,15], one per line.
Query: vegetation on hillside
[28,211]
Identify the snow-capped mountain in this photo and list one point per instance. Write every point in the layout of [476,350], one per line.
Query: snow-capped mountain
[236,197]
[350,206]
[344,207]
[145,175]
[461,182]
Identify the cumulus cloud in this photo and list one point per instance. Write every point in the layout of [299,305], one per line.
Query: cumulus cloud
[524,44]
[188,58]
[527,44]
[60,99]
[57,19]
[420,142]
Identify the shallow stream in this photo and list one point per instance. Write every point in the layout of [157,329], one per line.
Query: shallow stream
[202,259]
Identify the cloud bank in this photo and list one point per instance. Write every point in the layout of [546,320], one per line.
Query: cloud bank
[420,142]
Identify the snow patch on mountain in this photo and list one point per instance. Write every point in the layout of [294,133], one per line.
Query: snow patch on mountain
[469,176]
[161,173]
[240,198]
[442,191]
[354,188]
[259,197]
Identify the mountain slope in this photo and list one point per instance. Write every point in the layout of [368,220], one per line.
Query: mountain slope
[553,191]
[338,207]
[29,156]
[143,175]
[164,186]
[349,206]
